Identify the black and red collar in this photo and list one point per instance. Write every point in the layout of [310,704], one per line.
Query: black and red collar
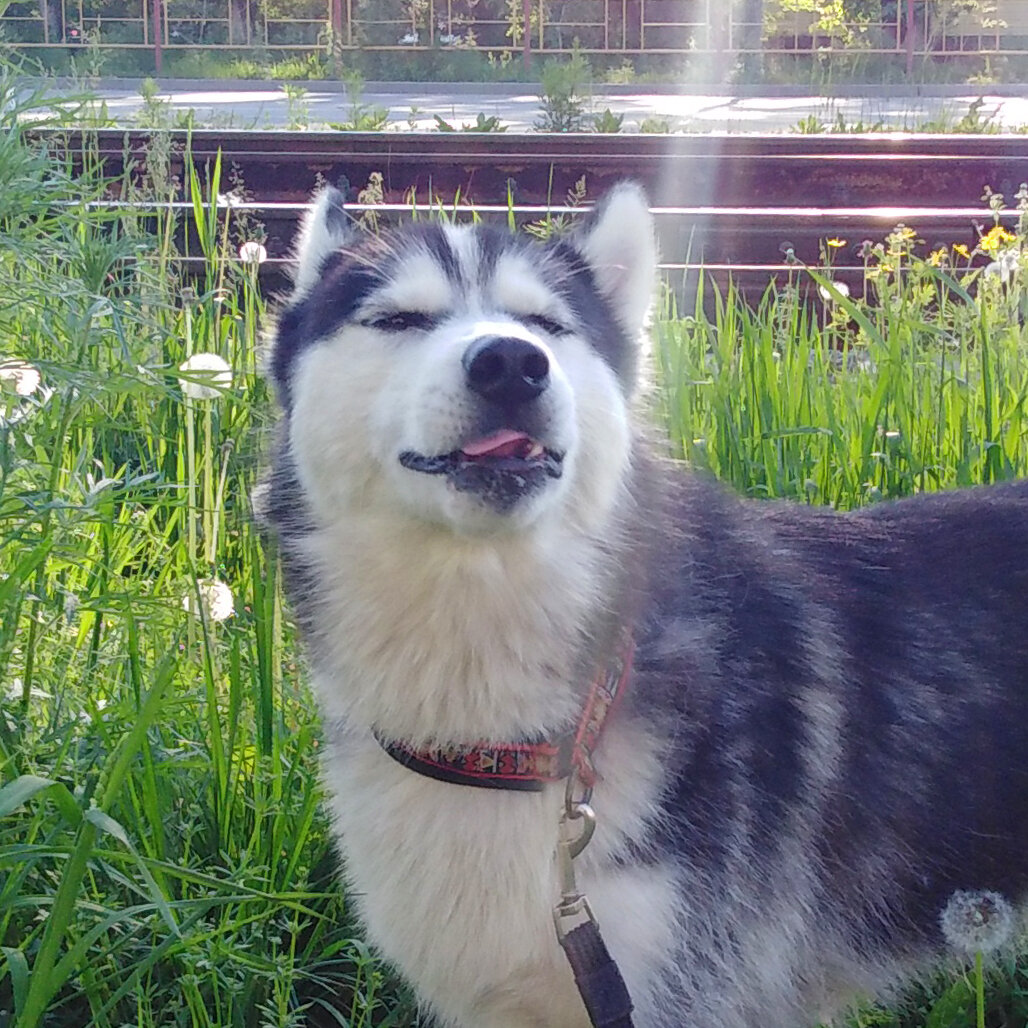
[526,766]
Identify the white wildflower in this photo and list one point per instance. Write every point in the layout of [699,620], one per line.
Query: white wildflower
[208,375]
[18,376]
[253,252]
[216,597]
[976,922]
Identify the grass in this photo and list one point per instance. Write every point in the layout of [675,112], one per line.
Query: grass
[164,859]
[924,388]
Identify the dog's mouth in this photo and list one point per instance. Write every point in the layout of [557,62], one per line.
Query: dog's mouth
[501,467]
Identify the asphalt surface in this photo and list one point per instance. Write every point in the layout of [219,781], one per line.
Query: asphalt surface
[258,105]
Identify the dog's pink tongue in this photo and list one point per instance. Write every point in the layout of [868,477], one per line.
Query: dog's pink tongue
[505,443]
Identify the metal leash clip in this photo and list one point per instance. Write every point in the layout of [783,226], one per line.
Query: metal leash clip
[573,909]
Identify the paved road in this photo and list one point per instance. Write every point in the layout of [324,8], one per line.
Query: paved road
[249,105]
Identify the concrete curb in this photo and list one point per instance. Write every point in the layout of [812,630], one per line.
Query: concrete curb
[500,89]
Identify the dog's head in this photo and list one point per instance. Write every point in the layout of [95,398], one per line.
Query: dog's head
[464,375]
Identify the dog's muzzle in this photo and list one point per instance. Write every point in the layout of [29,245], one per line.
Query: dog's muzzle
[505,463]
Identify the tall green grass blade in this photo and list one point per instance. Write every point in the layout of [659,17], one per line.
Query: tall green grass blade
[24,788]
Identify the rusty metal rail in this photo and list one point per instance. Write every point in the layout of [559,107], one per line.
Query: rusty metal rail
[722,201]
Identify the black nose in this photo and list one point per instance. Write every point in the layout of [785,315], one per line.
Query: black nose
[506,370]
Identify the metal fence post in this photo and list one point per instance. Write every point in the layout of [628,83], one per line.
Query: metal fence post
[526,42]
[910,39]
[158,25]
[336,20]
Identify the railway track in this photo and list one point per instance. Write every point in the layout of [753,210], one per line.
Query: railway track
[730,203]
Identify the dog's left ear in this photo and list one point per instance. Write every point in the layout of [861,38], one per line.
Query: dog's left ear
[619,243]
[325,229]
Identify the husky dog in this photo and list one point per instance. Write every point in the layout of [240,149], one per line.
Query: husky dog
[824,734]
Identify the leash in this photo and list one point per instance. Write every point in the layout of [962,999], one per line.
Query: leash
[528,766]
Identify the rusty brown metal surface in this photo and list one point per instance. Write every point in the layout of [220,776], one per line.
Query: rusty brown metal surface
[751,169]
[728,201]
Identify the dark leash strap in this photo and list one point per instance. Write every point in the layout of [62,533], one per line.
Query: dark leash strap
[599,981]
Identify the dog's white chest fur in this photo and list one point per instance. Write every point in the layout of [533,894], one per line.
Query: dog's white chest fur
[457,885]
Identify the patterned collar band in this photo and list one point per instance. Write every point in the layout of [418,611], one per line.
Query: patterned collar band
[526,766]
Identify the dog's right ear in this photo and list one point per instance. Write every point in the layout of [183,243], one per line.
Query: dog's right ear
[325,228]
[619,242]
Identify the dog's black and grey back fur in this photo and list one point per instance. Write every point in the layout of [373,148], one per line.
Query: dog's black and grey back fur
[826,729]
[851,693]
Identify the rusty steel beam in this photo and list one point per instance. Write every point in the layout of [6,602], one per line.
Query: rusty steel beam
[767,170]
[721,200]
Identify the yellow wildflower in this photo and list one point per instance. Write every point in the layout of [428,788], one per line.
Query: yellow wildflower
[996,237]
[835,243]
[938,257]
[961,251]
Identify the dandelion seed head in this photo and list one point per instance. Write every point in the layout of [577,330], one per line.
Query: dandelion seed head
[208,376]
[216,597]
[1004,266]
[977,921]
[830,295]
[253,252]
[20,377]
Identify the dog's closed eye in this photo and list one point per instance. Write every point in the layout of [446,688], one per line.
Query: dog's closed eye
[548,325]
[400,321]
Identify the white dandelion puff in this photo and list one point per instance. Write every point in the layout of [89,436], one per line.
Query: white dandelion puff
[216,597]
[208,376]
[20,377]
[1004,267]
[976,922]
[253,252]
[831,295]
